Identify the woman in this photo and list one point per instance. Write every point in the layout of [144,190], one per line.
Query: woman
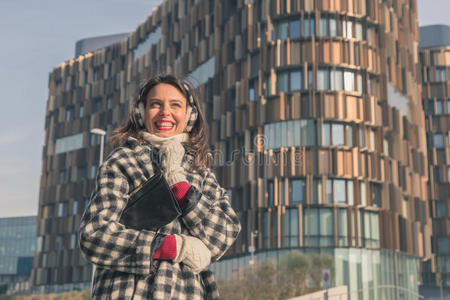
[166,130]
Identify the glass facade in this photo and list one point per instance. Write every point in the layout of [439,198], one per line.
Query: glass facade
[18,244]
[369,274]
[17,239]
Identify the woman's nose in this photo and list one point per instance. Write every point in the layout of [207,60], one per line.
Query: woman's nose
[165,110]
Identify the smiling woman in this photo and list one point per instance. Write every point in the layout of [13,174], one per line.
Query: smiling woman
[166,130]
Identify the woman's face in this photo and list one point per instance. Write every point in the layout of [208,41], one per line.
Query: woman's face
[165,111]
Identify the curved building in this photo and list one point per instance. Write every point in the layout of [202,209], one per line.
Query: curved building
[435,71]
[317,131]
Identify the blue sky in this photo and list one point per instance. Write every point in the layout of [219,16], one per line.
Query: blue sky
[38,35]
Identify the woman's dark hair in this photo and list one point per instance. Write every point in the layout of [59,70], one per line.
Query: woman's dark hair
[197,144]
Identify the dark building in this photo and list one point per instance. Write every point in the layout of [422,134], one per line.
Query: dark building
[17,246]
[317,131]
[435,71]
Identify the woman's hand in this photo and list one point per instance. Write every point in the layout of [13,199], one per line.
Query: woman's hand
[192,252]
[171,156]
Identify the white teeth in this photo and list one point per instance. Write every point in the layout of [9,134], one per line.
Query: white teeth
[164,124]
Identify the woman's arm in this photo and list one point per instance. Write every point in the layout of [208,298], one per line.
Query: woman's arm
[103,240]
[208,216]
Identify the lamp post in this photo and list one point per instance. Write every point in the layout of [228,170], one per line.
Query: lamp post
[102,134]
[251,248]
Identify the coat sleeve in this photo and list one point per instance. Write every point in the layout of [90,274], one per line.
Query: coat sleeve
[102,239]
[210,218]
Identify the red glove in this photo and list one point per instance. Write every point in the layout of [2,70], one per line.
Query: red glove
[168,249]
[180,190]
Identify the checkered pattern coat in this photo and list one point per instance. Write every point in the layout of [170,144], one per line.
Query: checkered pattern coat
[123,257]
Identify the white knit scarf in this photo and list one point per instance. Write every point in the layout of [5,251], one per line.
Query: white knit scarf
[157,141]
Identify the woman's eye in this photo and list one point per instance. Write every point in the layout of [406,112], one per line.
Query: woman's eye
[154,104]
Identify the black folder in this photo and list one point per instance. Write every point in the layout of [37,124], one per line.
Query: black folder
[151,205]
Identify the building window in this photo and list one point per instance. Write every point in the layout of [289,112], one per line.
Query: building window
[340,191]
[290,238]
[308,26]
[290,134]
[93,170]
[342,227]
[59,243]
[375,194]
[326,227]
[251,90]
[297,191]
[441,209]
[254,66]
[73,241]
[326,138]
[75,207]
[323,26]
[441,74]
[266,235]
[348,29]
[332,27]
[405,207]
[270,192]
[96,105]
[323,80]
[438,141]
[444,245]
[349,81]
[69,113]
[63,210]
[63,177]
[363,193]
[40,243]
[310,79]
[338,134]
[336,80]
[81,173]
[296,80]
[282,82]
[81,112]
[372,139]
[108,102]
[95,139]
[294,29]
[282,30]
[317,190]
[370,224]
[359,31]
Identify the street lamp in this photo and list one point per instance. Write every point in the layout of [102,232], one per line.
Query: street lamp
[102,134]
[251,248]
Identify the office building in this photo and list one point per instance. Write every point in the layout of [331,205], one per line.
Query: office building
[17,246]
[435,70]
[316,127]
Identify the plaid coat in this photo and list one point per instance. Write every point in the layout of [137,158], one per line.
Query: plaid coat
[123,257]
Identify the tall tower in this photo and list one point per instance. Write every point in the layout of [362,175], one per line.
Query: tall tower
[435,71]
[316,129]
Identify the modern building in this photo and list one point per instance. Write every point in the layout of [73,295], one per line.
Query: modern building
[435,71]
[316,127]
[17,246]
[87,45]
